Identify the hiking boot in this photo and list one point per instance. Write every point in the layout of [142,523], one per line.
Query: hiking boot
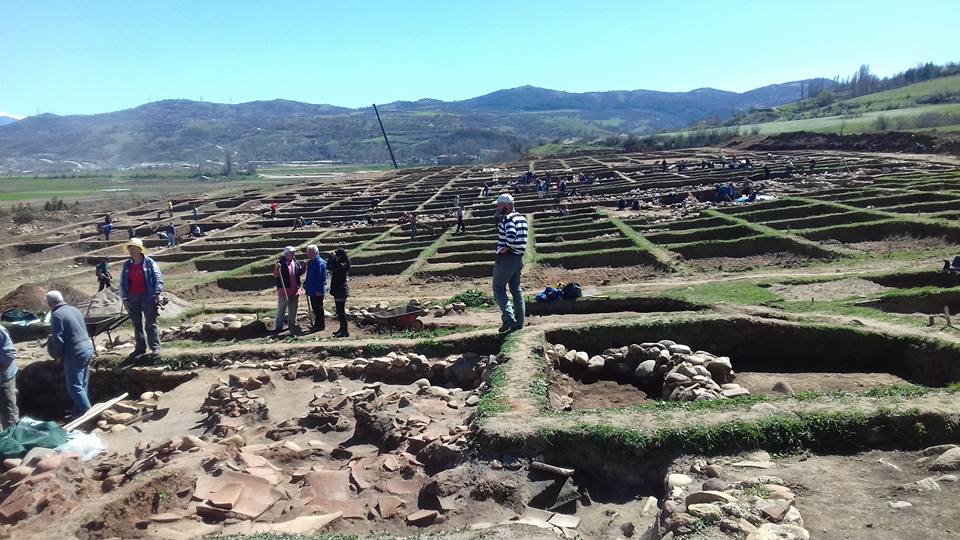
[506,329]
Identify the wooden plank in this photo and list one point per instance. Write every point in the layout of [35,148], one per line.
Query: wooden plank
[94,412]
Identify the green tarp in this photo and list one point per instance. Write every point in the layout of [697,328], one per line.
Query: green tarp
[17,440]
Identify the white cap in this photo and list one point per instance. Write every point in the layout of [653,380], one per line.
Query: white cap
[289,249]
[54,298]
[504,198]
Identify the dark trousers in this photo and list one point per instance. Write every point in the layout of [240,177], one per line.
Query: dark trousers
[460,226]
[342,313]
[316,304]
[104,284]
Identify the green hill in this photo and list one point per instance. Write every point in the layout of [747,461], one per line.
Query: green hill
[924,106]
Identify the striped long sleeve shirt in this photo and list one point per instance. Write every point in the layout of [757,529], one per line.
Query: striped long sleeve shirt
[512,233]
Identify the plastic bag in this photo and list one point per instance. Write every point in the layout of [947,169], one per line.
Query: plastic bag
[87,445]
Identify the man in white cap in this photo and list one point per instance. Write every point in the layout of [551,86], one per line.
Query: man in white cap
[70,343]
[511,245]
[287,272]
[141,286]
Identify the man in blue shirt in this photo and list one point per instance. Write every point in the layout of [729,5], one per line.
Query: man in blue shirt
[315,285]
[70,343]
[9,413]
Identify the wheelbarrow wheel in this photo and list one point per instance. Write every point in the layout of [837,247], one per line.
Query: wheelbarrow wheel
[416,325]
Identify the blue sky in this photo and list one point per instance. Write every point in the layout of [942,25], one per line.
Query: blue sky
[80,57]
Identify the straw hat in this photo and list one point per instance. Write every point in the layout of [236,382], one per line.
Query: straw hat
[135,242]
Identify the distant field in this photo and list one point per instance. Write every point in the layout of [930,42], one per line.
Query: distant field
[321,169]
[28,188]
[566,149]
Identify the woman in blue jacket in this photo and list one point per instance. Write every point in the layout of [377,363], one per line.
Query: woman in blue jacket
[141,284]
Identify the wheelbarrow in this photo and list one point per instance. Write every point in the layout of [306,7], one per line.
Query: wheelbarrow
[104,324]
[402,318]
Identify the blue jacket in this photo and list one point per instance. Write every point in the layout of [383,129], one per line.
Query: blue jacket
[68,334]
[8,356]
[150,271]
[316,282]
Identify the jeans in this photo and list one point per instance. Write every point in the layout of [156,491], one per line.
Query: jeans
[143,314]
[506,272]
[9,412]
[171,240]
[286,310]
[76,370]
[460,226]
[316,305]
[413,230]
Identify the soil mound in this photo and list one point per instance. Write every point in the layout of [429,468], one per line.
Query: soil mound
[107,302]
[31,297]
[894,141]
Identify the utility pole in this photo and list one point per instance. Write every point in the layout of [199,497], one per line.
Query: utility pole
[393,159]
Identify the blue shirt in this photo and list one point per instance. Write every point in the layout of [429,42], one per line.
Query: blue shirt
[68,334]
[316,281]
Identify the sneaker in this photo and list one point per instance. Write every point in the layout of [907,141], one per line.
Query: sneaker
[505,329]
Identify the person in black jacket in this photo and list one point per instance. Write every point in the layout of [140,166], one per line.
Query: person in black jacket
[338,266]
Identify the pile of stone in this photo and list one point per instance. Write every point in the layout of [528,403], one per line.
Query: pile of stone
[761,507]
[233,399]
[466,368]
[224,327]
[446,309]
[324,414]
[941,458]
[309,368]
[126,412]
[114,472]
[674,370]
[30,484]
[363,314]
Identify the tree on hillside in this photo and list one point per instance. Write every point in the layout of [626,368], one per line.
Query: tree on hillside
[825,98]
[227,163]
[520,148]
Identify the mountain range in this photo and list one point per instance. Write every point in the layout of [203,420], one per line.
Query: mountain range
[494,126]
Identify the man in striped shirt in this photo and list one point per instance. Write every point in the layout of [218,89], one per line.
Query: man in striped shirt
[511,244]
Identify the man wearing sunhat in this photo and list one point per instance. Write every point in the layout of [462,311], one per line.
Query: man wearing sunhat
[141,286]
[511,245]
[287,272]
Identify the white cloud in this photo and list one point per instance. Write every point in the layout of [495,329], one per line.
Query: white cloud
[11,115]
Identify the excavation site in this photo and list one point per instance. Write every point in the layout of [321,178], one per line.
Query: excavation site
[783,367]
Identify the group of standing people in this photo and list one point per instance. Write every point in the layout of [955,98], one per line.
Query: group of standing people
[287,273]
